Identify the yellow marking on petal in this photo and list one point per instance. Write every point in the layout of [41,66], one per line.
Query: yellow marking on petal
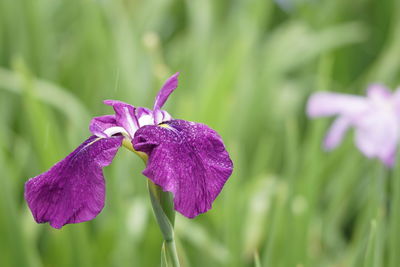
[128,144]
[94,141]
[167,126]
[164,125]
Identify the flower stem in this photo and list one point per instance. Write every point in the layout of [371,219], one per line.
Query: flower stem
[171,254]
[165,215]
[163,207]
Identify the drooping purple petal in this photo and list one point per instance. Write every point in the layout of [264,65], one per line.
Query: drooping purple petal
[99,124]
[377,134]
[336,132]
[73,190]
[326,104]
[124,115]
[188,159]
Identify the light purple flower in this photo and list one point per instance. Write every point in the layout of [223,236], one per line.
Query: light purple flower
[375,118]
[185,158]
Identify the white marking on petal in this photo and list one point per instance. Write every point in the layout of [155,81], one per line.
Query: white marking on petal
[115,130]
[166,116]
[132,127]
[157,116]
[146,119]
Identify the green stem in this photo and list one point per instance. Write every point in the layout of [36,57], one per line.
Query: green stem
[163,207]
[376,244]
[165,215]
[171,253]
[394,226]
[163,210]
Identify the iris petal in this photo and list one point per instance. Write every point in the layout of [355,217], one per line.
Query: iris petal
[378,92]
[73,190]
[327,104]
[144,116]
[396,101]
[168,87]
[377,134]
[162,96]
[336,133]
[124,115]
[98,125]
[188,159]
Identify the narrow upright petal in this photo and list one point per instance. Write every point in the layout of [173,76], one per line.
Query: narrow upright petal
[73,190]
[328,104]
[168,87]
[162,96]
[124,115]
[188,159]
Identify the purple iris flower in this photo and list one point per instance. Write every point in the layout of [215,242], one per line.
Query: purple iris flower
[375,118]
[185,158]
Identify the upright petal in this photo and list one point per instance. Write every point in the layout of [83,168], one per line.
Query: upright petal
[165,116]
[188,159]
[125,115]
[328,104]
[73,190]
[168,87]
[162,96]
[144,116]
[98,125]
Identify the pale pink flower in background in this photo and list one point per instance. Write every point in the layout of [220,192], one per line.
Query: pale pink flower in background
[375,118]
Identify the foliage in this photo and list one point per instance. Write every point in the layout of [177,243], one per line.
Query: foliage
[247,68]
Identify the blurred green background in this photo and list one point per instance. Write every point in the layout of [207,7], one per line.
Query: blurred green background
[247,68]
